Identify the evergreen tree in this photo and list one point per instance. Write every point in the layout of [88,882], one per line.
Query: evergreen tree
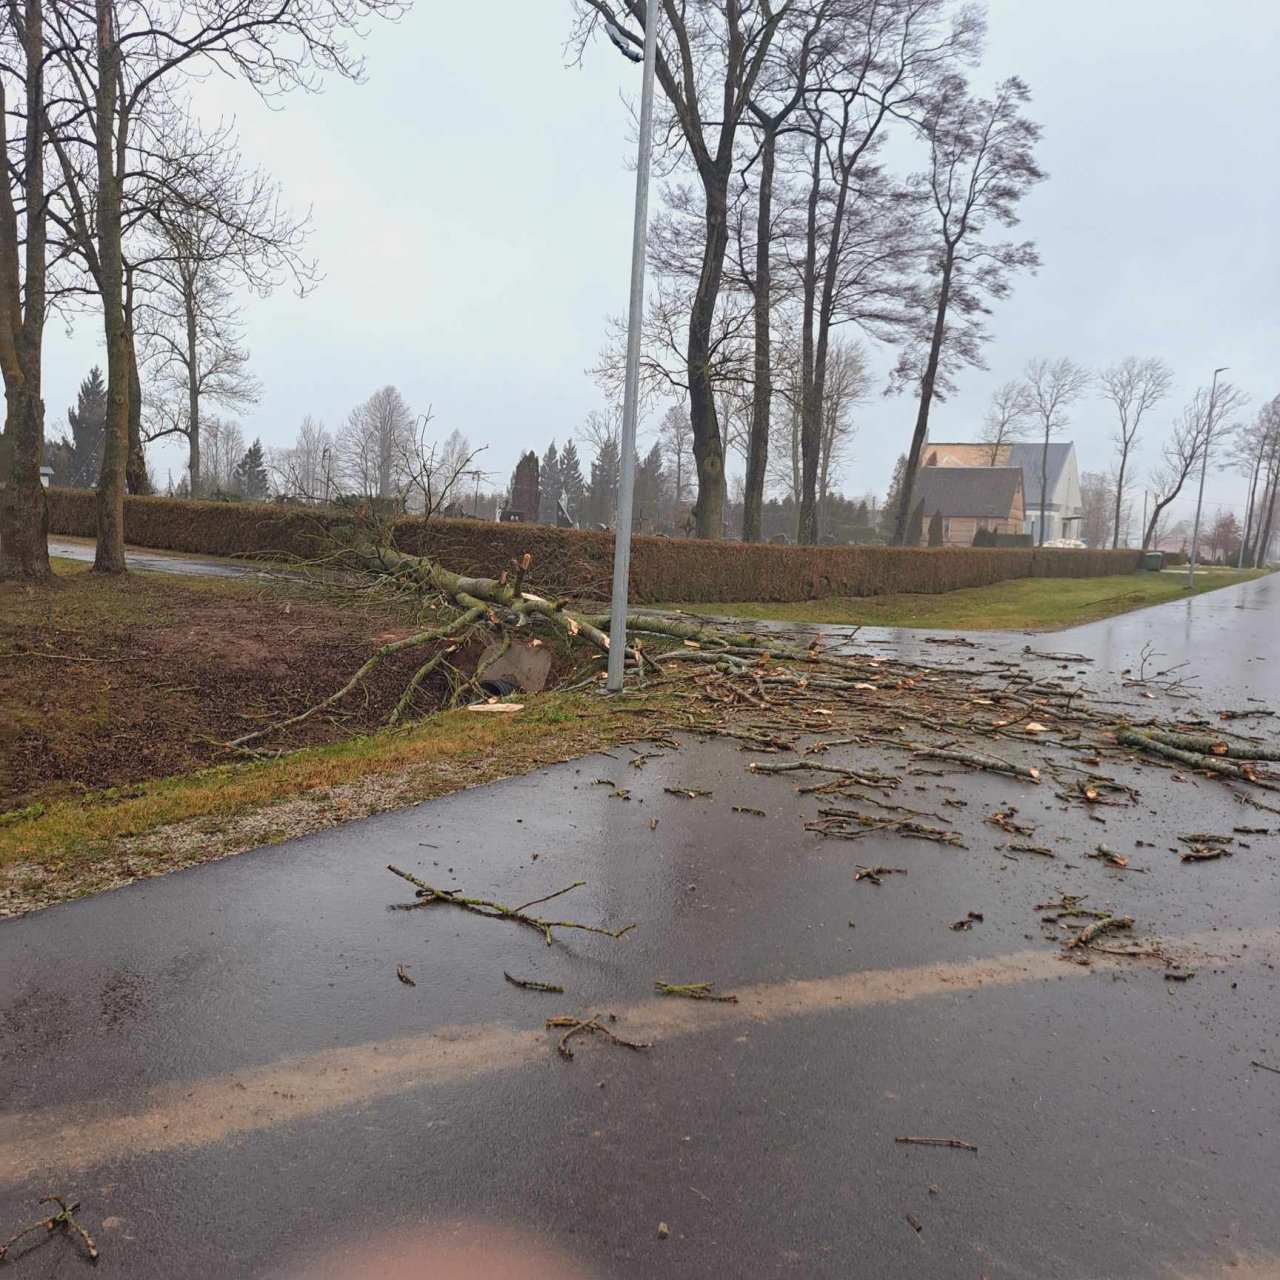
[650,482]
[251,474]
[88,423]
[602,499]
[935,529]
[571,482]
[549,484]
[893,500]
[915,526]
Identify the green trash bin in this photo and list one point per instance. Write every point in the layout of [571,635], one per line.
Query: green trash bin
[1153,560]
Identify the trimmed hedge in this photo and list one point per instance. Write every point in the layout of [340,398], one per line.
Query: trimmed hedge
[574,562]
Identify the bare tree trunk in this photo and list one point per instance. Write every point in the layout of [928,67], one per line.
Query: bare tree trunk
[136,478]
[1246,536]
[115,444]
[24,515]
[708,447]
[1044,483]
[1124,460]
[927,383]
[193,387]
[762,398]
[1264,532]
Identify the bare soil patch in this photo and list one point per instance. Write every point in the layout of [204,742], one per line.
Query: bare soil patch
[106,683]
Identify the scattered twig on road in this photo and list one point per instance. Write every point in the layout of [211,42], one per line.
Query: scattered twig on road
[1106,924]
[690,793]
[530,984]
[1201,853]
[692,991]
[1043,850]
[582,1025]
[958,1143]
[1109,856]
[497,911]
[743,808]
[963,926]
[65,1218]
[404,977]
[976,761]
[873,874]
[1264,1067]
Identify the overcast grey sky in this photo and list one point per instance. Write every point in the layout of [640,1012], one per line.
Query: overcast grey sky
[472,204]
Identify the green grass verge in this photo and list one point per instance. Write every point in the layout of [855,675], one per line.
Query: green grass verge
[1022,604]
[62,849]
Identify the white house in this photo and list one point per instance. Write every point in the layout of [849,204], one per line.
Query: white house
[1063,505]
[1062,502]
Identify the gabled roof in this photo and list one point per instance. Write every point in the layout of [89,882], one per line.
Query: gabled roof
[1028,456]
[968,491]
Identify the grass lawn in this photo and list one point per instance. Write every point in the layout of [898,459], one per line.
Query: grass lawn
[1023,604]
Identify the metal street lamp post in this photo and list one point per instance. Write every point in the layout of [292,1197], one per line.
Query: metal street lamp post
[631,391]
[1204,467]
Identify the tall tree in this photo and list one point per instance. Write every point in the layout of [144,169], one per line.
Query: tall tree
[675,434]
[1134,386]
[709,58]
[1052,386]
[1184,451]
[24,515]
[122,61]
[780,91]
[893,501]
[196,358]
[305,470]
[250,474]
[1008,418]
[885,63]
[372,440]
[87,419]
[602,491]
[549,486]
[981,164]
[1097,498]
[572,484]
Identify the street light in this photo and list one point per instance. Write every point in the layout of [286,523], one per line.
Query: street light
[635,315]
[1204,467]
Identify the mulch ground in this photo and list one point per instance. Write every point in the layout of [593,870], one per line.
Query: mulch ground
[107,683]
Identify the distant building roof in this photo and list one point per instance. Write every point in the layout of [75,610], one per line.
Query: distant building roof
[968,491]
[1029,456]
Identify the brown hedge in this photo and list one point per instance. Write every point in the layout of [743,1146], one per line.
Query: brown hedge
[579,563]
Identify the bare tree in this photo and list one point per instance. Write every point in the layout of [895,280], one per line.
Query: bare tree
[1052,385]
[1193,434]
[223,448]
[1257,453]
[675,434]
[1008,418]
[374,439]
[981,164]
[780,91]
[1135,385]
[194,350]
[430,471]
[24,516]
[117,58]
[708,61]
[1097,496]
[848,382]
[305,470]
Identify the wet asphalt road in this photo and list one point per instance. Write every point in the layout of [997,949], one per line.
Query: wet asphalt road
[83,549]
[222,1066]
